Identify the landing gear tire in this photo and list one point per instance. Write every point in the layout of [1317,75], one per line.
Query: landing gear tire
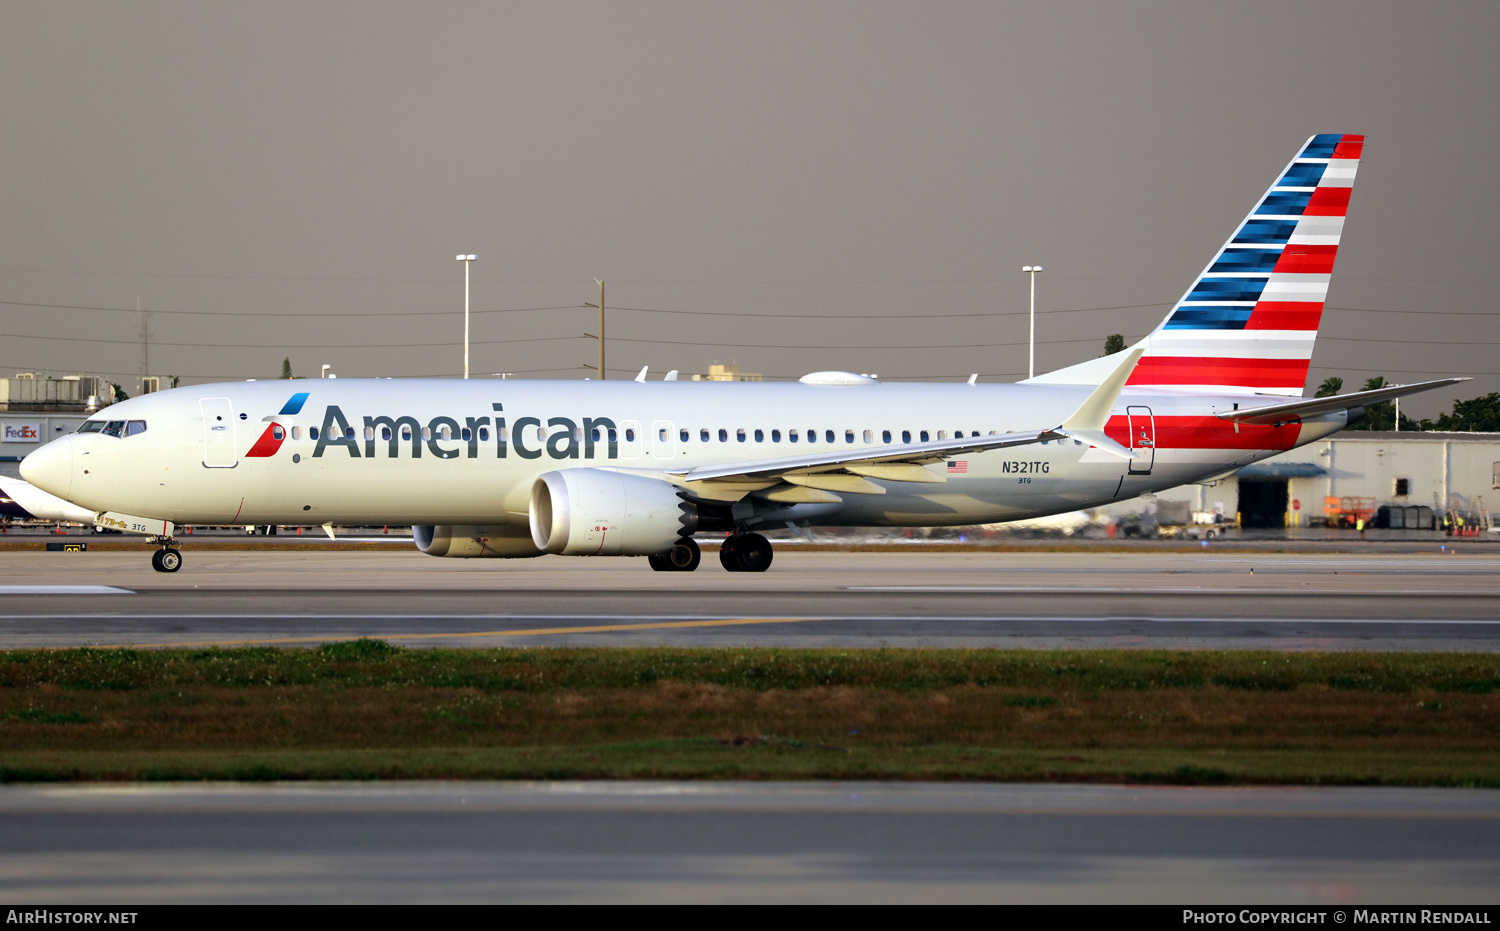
[684,556]
[166,560]
[748,552]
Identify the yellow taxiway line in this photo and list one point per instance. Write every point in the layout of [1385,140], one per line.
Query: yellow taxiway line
[534,632]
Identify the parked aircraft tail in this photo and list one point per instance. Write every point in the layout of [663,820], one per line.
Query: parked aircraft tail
[1247,324]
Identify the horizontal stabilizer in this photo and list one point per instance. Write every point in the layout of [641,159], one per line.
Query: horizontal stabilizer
[1277,414]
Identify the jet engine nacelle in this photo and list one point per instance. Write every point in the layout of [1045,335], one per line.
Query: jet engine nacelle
[596,512]
[469,542]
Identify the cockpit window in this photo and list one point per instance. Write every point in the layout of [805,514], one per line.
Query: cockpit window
[132,427]
[91,426]
[114,428]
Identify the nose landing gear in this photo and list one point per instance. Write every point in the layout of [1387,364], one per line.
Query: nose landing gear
[746,552]
[168,558]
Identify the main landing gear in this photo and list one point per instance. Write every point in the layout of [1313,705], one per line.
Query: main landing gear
[684,556]
[745,552]
[168,558]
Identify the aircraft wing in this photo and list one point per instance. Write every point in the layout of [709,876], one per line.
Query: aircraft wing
[904,462]
[1290,412]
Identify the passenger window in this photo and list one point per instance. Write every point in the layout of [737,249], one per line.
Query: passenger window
[369,433]
[405,432]
[484,434]
[775,436]
[760,436]
[885,436]
[629,434]
[466,434]
[791,436]
[277,433]
[703,434]
[114,428]
[723,435]
[828,435]
[870,436]
[614,435]
[505,434]
[906,436]
[848,436]
[445,432]
[312,433]
[740,434]
[661,435]
[942,434]
[812,436]
[296,433]
[578,434]
[683,434]
[139,426]
[924,436]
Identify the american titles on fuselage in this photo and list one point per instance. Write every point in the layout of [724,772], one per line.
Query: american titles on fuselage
[555,437]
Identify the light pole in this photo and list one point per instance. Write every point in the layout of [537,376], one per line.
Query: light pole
[466,259]
[1031,343]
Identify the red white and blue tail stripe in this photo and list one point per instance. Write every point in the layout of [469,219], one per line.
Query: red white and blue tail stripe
[1248,323]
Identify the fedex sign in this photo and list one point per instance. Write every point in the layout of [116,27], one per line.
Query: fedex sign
[23,432]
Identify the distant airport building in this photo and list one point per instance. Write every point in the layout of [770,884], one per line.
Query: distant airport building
[30,392]
[21,432]
[730,372]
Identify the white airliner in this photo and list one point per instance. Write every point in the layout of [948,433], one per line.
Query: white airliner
[521,468]
[21,500]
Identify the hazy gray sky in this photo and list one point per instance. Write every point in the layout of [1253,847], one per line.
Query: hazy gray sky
[294,179]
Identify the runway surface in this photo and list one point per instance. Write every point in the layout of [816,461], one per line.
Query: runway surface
[1291,601]
[672,842]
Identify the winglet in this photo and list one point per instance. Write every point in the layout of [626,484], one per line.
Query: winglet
[642,376]
[1087,423]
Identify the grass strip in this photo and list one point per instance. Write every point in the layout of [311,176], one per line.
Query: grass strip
[368,710]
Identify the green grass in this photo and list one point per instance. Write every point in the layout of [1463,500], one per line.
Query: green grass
[367,710]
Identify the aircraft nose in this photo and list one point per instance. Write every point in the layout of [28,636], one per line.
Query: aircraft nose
[51,467]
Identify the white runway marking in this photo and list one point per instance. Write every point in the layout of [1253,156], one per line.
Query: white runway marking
[63,590]
[678,618]
[1151,590]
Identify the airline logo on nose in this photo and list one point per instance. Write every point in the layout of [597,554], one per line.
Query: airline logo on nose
[275,434]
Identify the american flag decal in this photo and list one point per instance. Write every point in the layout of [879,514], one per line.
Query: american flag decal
[958,466]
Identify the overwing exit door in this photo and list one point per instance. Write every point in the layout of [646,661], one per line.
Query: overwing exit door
[663,442]
[1142,439]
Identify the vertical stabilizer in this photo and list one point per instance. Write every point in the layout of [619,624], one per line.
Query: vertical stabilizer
[1248,322]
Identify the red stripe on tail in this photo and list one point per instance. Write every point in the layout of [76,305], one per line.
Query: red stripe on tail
[1328,202]
[1350,147]
[1306,260]
[1285,315]
[1237,373]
